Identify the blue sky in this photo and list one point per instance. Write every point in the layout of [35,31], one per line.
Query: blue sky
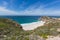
[30,7]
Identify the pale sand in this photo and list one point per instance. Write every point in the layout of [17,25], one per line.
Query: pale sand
[33,25]
[53,38]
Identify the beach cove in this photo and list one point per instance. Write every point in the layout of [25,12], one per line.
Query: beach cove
[33,25]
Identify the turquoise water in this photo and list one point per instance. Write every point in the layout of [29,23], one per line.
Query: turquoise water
[23,19]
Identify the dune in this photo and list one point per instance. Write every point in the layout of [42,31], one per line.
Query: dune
[33,25]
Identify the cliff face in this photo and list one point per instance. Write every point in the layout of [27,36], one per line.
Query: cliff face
[9,28]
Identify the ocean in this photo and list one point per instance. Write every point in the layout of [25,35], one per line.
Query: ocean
[24,19]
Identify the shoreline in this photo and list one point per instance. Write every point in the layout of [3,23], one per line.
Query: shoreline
[33,25]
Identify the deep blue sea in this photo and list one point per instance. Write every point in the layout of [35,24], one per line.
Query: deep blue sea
[24,19]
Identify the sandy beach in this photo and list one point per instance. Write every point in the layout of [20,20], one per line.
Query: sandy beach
[33,25]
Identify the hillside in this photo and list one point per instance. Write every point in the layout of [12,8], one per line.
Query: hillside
[50,28]
[9,29]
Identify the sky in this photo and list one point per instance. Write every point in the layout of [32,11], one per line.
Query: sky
[30,7]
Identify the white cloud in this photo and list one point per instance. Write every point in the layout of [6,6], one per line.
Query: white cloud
[32,10]
[52,3]
[41,11]
[4,11]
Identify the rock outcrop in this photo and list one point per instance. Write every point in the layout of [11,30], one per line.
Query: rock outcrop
[49,19]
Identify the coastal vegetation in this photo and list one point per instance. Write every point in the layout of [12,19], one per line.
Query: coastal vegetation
[11,30]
